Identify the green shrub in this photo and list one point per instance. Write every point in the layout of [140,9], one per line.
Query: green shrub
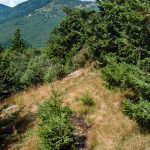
[115,75]
[144,64]
[80,59]
[141,86]
[69,68]
[59,70]
[87,99]
[12,67]
[107,59]
[56,71]
[50,75]
[128,76]
[35,70]
[139,112]
[56,131]
[125,76]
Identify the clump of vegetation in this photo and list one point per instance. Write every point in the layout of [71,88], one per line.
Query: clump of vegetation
[21,67]
[138,111]
[50,75]
[87,99]
[128,76]
[124,76]
[56,131]
[13,64]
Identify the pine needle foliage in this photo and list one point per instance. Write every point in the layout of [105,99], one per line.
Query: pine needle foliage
[56,131]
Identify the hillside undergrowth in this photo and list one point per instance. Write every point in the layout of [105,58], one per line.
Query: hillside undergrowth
[110,128]
[117,48]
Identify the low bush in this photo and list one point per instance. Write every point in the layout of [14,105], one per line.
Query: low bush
[139,112]
[50,75]
[56,131]
[123,75]
[128,76]
[115,75]
[87,99]
[144,64]
[59,71]
[34,72]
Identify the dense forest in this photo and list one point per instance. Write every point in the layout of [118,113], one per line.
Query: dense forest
[34,15]
[116,38]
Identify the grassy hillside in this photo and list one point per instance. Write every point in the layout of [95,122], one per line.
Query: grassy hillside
[109,128]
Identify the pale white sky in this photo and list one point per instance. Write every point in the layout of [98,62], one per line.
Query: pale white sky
[11,3]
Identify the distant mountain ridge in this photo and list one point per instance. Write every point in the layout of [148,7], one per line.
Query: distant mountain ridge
[4,8]
[23,9]
[36,19]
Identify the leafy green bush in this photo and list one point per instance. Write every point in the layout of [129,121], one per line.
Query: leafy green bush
[35,70]
[125,76]
[13,65]
[128,76]
[139,112]
[144,64]
[56,71]
[50,75]
[56,131]
[115,74]
[87,99]
[59,70]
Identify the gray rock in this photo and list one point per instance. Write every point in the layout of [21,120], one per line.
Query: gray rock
[76,73]
[11,109]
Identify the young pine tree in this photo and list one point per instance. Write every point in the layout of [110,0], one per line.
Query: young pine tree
[17,43]
[12,66]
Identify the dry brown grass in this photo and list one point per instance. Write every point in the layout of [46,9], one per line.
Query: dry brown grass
[111,130]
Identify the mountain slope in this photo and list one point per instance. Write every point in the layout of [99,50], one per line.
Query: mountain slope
[23,9]
[3,8]
[36,19]
[110,129]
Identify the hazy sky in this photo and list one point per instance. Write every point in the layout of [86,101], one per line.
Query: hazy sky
[13,3]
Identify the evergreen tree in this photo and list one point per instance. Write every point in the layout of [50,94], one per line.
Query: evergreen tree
[17,43]
[1,48]
[122,28]
[12,66]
